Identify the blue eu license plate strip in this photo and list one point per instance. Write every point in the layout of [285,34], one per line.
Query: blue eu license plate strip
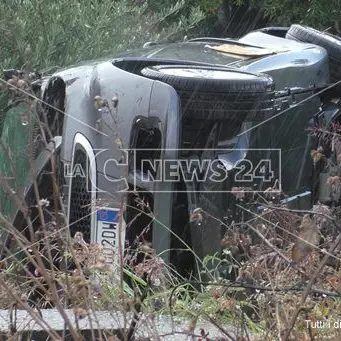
[109,216]
[107,232]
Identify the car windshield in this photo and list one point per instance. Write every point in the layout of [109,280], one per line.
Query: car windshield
[201,52]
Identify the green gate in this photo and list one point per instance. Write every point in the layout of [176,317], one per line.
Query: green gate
[15,146]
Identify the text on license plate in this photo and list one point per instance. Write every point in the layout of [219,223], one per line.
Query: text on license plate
[108,232]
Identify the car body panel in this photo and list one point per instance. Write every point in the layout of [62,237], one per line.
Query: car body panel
[303,65]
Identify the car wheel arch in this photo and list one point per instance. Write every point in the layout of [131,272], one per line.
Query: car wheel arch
[54,100]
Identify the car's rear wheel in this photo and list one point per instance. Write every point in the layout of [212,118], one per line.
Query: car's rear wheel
[217,93]
[329,41]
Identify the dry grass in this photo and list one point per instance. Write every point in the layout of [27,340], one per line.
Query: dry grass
[270,298]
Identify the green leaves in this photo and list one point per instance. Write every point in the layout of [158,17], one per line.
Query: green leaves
[68,31]
[320,14]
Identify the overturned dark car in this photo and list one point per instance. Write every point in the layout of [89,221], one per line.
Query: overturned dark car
[169,144]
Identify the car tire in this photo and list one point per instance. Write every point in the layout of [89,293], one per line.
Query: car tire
[330,42]
[215,92]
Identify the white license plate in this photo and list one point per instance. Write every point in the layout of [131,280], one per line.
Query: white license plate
[108,229]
